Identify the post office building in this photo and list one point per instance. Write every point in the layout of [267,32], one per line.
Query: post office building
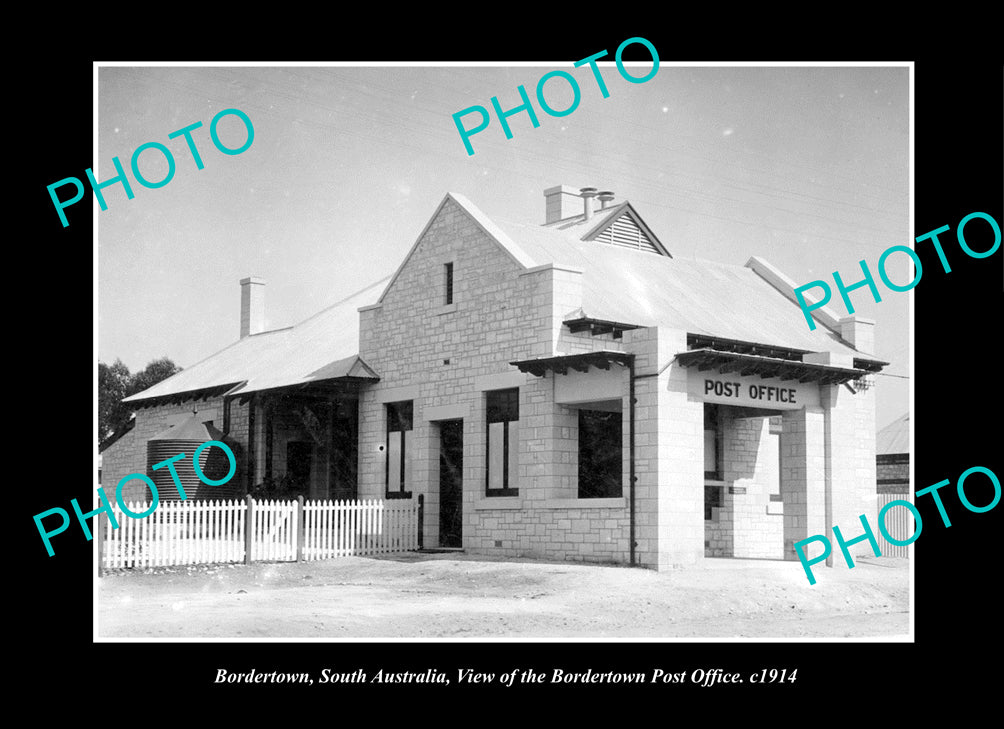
[564,389]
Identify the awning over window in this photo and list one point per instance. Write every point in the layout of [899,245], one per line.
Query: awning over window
[581,362]
[598,326]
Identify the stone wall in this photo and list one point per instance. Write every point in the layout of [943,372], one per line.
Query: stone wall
[446,357]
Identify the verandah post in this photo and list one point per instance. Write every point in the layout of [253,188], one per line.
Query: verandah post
[421,514]
[248,521]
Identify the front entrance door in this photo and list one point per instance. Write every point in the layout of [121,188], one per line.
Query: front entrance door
[451,482]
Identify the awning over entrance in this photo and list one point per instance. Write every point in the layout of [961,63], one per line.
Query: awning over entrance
[581,362]
[782,369]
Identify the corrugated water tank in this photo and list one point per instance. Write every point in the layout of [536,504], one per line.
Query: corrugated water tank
[186,437]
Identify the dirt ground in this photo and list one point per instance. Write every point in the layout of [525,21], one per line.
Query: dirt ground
[451,596]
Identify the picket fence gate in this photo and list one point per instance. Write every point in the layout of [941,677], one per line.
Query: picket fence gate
[244,530]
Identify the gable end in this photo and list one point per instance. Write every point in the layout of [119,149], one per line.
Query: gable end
[626,230]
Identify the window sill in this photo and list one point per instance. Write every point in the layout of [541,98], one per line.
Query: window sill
[498,502]
[501,493]
[446,309]
[617,502]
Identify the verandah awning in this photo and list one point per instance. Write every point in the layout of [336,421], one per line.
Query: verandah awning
[782,369]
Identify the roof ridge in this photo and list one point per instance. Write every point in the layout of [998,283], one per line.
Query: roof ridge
[351,296]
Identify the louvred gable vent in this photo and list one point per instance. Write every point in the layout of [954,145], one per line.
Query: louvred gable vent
[625,232]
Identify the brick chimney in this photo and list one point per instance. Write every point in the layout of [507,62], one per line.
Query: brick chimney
[562,202]
[252,305]
[860,332]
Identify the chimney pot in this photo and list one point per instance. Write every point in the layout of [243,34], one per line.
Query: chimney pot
[588,193]
[605,197]
[252,305]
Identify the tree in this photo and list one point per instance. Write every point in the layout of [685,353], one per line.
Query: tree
[112,383]
[159,369]
[115,383]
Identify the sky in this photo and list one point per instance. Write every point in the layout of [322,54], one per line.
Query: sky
[808,167]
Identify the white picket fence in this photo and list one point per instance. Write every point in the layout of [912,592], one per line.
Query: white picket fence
[347,528]
[208,532]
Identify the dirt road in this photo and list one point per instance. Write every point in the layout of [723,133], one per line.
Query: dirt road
[462,597]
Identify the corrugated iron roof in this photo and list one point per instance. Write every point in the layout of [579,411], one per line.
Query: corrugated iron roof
[895,437]
[700,297]
[323,347]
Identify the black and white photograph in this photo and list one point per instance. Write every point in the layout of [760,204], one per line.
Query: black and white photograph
[476,386]
[407,359]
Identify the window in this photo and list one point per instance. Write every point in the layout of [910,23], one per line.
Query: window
[449,283]
[399,416]
[712,443]
[503,443]
[601,454]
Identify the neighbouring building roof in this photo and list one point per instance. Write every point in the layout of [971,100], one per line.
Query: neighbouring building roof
[323,347]
[118,433]
[895,437]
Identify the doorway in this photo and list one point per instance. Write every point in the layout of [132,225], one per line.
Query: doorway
[451,482]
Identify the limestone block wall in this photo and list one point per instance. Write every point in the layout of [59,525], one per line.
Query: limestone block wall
[587,534]
[718,533]
[669,452]
[803,477]
[444,358]
[850,435]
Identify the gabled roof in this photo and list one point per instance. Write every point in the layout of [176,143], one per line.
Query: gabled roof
[637,287]
[697,296]
[323,347]
[483,221]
